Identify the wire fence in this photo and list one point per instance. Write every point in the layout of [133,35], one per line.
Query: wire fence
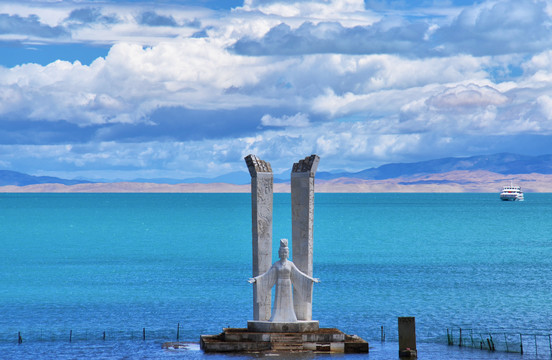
[74,335]
[538,342]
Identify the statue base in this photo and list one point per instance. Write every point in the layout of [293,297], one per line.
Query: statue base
[282,327]
[323,340]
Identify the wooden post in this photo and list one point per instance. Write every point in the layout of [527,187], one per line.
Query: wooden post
[19,338]
[521,343]
[506,340]
[178,332]
[104,335]
[460,340]
[144,334]
[70,335]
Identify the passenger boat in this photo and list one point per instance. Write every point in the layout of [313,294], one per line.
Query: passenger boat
[511,193]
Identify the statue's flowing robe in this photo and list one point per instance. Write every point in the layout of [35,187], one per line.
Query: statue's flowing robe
[284,275]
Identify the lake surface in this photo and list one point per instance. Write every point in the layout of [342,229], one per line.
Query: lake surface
[78,265]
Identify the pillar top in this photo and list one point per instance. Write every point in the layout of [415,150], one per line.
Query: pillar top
[256,165]
[307,165]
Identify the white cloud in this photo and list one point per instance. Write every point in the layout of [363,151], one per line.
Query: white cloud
[312,9]
[545,103]
[364,108]
[297,120]
[467,96]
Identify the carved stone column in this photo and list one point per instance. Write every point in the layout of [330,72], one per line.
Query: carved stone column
[302,217]
[262,183]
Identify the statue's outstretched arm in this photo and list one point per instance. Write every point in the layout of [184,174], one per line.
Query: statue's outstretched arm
[302,274]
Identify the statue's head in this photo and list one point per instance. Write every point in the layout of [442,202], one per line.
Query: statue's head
[283,252]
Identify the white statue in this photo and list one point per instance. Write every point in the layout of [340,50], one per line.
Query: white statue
[284,274]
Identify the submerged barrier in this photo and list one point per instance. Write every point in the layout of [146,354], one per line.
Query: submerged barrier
[538,342]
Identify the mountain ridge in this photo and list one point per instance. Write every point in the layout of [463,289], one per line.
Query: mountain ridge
[502,163]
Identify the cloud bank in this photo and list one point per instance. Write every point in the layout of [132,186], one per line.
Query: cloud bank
[188,91]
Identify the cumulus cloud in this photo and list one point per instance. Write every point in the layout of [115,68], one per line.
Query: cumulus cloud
[497,27]
[151,18]
[369,87]
[30,25]
[91,15]
[297,120]
[332,37]
[467,96]
[311,8]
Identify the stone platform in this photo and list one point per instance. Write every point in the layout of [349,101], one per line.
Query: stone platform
[282,327]
[323,340]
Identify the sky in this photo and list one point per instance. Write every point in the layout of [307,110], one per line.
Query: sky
[105,89]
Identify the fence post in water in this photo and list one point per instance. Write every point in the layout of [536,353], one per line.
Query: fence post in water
[70,335]
[460,340]
[449,337]
[19,338]
[104,336]
[382,335]
[143,333]
[178,332]
[521,344]
[492,342]
[506,341]
[471,337]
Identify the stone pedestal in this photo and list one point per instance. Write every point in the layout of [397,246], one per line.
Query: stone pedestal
[407,337]
[282,327]
[245,341]
[302,219]
[262,183]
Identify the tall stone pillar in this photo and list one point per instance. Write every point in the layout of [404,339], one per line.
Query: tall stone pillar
[302,217]
[262,182]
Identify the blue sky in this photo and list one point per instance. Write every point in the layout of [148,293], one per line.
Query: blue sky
[104,89]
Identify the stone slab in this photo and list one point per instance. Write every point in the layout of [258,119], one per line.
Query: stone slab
[281,327]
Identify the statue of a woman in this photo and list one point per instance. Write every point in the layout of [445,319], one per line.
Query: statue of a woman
[284,274]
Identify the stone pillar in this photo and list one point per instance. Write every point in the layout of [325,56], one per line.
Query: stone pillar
[302,217]
[262,182]
[407,337]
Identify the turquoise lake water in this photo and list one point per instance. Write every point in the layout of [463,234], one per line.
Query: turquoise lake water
[80,265]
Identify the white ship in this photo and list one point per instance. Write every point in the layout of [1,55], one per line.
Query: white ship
[511,193]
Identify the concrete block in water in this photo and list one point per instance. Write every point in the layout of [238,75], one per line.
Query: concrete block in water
[407,337]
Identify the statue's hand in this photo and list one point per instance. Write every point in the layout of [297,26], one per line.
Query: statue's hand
[316,280]
[252,280]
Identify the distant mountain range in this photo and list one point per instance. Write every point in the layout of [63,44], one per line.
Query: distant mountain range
[504,163]
[8,177]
